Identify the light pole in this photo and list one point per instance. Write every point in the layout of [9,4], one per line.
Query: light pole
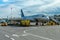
[11,13]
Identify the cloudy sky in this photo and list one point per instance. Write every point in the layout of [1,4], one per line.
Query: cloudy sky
[30,7]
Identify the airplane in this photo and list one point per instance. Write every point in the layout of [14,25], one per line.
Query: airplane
[34,18]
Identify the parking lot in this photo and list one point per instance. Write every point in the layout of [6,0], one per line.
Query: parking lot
[30,33]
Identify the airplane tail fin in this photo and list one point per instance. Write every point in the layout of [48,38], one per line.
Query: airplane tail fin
[22,14]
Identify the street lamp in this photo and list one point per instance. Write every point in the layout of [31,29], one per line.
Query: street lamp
[11,13]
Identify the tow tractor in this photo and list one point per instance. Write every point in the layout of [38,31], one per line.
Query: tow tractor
[25,22]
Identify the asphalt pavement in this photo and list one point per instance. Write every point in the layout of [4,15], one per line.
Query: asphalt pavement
[30,33]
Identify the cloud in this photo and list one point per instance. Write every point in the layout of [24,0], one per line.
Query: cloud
[5,0]
[29,7]
[4,12]
[49,9]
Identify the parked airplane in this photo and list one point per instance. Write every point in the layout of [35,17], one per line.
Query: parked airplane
[34,17]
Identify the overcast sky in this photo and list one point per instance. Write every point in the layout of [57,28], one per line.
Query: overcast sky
[30,7]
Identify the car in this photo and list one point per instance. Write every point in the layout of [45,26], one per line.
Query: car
[3,23]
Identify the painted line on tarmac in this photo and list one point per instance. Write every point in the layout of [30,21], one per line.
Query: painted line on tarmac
[12,38]
[30,29]
[15,35]
[9,37]
[40,36]
[26,34]
[25,31]
[6,35]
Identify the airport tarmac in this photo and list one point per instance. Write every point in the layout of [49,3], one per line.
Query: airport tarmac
[30,33]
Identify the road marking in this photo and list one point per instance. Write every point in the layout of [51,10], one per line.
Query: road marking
[15,35]
[25,31]
[9,37]
[35,35]
[25,34]
[30,29]
[12,38]
[40,36]
[6,35]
